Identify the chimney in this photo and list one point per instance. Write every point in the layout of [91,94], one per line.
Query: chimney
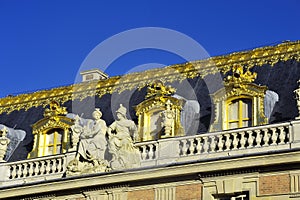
[92,75]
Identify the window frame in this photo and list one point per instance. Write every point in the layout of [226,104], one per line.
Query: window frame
[240,118]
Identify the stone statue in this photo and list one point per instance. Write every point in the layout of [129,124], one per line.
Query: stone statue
[16,136]
[297,97]
[121,134]
[91,145]
[4,141]
[168,117]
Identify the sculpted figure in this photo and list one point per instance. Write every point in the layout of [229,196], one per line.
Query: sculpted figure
[168,116]
[91,145]
[121,134]
[297,97]
[4,141]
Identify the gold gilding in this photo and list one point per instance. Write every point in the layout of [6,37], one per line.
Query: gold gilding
[47,130]
[269,55]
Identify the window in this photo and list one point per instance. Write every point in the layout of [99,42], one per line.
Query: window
[239,113]
[52,142]
[238,196]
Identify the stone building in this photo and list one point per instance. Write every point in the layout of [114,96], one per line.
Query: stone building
[224,128]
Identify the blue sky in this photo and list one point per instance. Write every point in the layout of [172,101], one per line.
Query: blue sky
[43,43]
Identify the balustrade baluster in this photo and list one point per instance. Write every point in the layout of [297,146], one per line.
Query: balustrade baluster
[25,170]
[151,152]
[30,171]
[243,140]
[205,144]
[235,141]
[42,170]
[59,165]
[48,166]
[19,172]
[155,151]
[199,146]
[53,168]
[36,168]
[266,137]
[250,139]
[281,135]
[274,136]
[220,143]
[184,147]
[13,171]
[227,142]
[213,143]
[144,152]
[192,146]
[258,138]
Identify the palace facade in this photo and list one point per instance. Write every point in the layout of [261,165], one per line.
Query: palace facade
[224,128]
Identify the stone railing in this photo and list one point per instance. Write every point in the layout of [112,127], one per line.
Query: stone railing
[31,170]
[243,142]
[271,136]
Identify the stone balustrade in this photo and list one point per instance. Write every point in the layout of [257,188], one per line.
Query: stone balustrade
[239,142]
[31,170]
[255,138]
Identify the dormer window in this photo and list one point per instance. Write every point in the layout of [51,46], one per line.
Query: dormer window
[240,103]
[239,113]
[51,134]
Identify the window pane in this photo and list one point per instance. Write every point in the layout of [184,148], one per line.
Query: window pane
[49,151]
[247,108]
[58,138]
[246,123]
[58,149]
[233,125]
[233,110]
[50,138]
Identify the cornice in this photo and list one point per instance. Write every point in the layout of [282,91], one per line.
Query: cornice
[269,55]
[97,180]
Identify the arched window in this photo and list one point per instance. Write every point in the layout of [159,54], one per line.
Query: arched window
[239,113]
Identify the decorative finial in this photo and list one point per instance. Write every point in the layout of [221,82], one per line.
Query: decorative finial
[157,89]
[55,109]
[239,76]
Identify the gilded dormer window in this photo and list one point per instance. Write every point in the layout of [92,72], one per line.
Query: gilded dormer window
[240,103]
[51,134]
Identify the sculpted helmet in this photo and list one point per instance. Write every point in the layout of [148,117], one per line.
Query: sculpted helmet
[122,110]
[97,112]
